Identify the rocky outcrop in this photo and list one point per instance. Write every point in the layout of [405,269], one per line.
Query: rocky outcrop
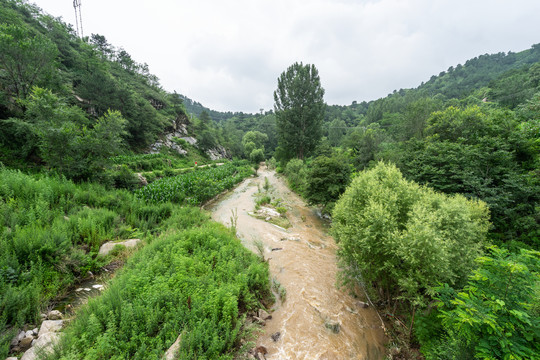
[106,248]
[34,342]
[168,141]
[218,152]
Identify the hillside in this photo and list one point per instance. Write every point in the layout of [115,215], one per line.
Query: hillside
[95,92]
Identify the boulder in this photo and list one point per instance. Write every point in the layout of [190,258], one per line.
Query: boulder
[264,315]
[142,179]
[11,358]
[362,304]
[26,342]
[42,345]
[50,326]
[54,315]
[266,211]
[106,248]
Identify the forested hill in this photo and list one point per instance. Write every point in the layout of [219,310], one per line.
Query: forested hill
[508,79]
[196,108]
[503,77]
[69,104]
[478,72]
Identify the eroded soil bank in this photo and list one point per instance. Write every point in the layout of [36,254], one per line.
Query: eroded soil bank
[316,320]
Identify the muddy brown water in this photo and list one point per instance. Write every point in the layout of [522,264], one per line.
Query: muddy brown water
[316,320]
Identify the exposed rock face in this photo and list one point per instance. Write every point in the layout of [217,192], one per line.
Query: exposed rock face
[218,153]
[168,141]
[106,248]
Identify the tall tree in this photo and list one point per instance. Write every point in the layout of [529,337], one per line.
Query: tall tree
[299,108]
[25,58]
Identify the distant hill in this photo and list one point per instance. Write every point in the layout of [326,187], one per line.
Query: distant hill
[195,108]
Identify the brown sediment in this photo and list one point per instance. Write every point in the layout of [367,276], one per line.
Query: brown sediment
[316,320]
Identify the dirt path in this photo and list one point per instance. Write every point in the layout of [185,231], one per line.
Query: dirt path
[316,320]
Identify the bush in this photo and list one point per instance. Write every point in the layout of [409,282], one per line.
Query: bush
[494,317]
[196,282]
[405,239]
[296,175]
[327,179]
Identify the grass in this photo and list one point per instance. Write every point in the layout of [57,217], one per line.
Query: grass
[51,230]
[198,281]
[196,187]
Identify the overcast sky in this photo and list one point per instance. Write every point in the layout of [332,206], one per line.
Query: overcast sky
[228,55]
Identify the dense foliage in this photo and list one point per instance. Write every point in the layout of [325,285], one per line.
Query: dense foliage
[299,107]
[194,282]
[195,187]
[404,239]
[50,232]
[481,152]
[59,92]
[495,316]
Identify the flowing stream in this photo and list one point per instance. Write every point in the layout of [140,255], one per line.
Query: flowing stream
[316,320]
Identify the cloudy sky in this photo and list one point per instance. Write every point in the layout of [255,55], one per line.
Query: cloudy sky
[228,54]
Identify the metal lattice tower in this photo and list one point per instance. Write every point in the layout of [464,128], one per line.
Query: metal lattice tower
[78,17]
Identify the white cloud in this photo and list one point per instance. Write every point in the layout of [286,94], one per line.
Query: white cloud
[229,54]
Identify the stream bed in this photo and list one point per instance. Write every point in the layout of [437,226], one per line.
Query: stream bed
[315,319]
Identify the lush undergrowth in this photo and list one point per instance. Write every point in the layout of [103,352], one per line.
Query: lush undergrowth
[159,161]
[196,280]
[196,187]
[50,232]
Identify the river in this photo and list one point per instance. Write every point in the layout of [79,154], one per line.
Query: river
[316,320]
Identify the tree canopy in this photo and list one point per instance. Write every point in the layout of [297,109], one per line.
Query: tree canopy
[299,107]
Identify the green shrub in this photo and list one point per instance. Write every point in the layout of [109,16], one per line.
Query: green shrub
[194,282]
[327,179]
[296,175]
[405,239]
[493,317]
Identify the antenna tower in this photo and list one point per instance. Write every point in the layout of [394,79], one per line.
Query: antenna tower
[78,17]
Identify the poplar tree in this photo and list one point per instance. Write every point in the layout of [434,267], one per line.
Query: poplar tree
[299,108]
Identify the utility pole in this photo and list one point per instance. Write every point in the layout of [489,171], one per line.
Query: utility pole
[78,17]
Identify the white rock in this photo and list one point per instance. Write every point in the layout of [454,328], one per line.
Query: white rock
[106,248]
[50,326]
[43,344]
[11,358]
[29,333]
[21,336]
[35,331]
[268,211]
[87,289]
[79,289]
[54,315]
[98,286]
[170,354]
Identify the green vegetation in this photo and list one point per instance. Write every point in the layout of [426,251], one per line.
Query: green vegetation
[72,104]
[473,146]
[495,316]
[195,187]
[299,107]
[196,282]
[50,232]
[422,183]
[404,239]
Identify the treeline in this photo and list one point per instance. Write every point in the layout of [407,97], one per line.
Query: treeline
[435,203]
